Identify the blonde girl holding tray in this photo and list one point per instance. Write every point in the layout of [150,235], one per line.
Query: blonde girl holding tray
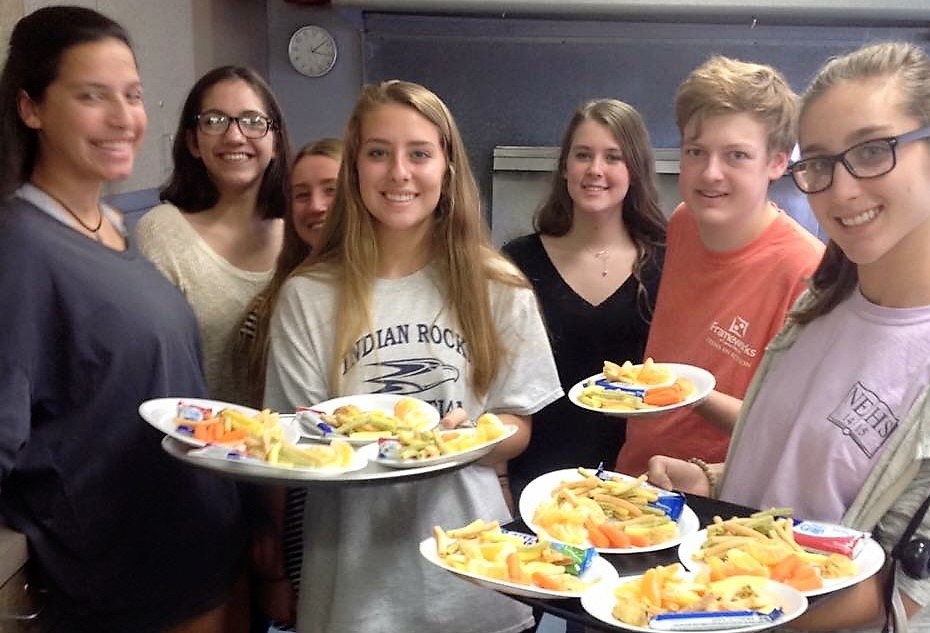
[406,296]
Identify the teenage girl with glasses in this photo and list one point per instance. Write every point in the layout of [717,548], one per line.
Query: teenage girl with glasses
[219,231]
[841,397]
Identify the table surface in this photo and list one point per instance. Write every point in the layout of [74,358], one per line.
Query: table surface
[630,564]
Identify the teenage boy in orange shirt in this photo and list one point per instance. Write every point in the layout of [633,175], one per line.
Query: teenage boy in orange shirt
[735,262]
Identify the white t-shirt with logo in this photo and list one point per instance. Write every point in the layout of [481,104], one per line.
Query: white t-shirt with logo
[824,413]
[362,570]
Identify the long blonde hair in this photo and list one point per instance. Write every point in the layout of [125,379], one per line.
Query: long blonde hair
[909,66]
[462,252]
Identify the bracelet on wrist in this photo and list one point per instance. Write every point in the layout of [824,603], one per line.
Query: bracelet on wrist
[708,473]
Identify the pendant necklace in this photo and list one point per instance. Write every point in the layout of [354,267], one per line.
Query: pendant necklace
[94,230]
[603,255]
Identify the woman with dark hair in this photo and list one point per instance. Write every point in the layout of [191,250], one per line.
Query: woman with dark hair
[122,537]
[219,232]
[594,262]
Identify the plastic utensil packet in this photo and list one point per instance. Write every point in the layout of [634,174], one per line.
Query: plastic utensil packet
[711,620]
[310,418]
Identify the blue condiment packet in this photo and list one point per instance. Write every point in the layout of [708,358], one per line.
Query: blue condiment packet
[671,503]
[581,557]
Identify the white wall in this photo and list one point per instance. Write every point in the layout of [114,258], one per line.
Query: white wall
[175,41]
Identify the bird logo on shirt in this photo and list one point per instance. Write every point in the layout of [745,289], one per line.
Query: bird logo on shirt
[411,376]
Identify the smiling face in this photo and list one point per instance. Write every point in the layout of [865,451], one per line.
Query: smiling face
[595,173]
[875,220]
[725,172]
[234,162]
[313,189]
[91,119]
[401,165]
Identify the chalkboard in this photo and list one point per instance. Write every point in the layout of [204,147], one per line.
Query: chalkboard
[512,81]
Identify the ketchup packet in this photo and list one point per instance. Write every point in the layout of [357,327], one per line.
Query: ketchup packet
[829,538]
[193,412]
[389,448]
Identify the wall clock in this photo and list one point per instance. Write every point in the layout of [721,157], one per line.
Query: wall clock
[312,51]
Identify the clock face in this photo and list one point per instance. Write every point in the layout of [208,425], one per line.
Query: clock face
[312,51]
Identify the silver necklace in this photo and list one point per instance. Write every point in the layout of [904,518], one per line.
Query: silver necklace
[603,256]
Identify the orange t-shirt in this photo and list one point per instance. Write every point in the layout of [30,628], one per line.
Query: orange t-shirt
[717,311]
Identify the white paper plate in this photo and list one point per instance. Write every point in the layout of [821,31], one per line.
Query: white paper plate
[472,454]
[600,572]
[161,413]
[540,490]
[365,402]
[702,380]
[599,602]
[869,560]
[219,453]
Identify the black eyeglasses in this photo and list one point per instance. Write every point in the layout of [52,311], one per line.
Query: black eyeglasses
[868,159]
[252,124]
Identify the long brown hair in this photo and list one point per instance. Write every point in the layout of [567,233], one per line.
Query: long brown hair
[463,255]
[641,213]
[837,276]
[294,251]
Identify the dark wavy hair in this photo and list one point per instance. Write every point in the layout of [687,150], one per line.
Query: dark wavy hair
[37,44]
[641,212]
[190,187]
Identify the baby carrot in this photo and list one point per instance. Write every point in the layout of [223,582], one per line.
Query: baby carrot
[664,396]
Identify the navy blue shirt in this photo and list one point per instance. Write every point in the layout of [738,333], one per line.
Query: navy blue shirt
[124,536]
